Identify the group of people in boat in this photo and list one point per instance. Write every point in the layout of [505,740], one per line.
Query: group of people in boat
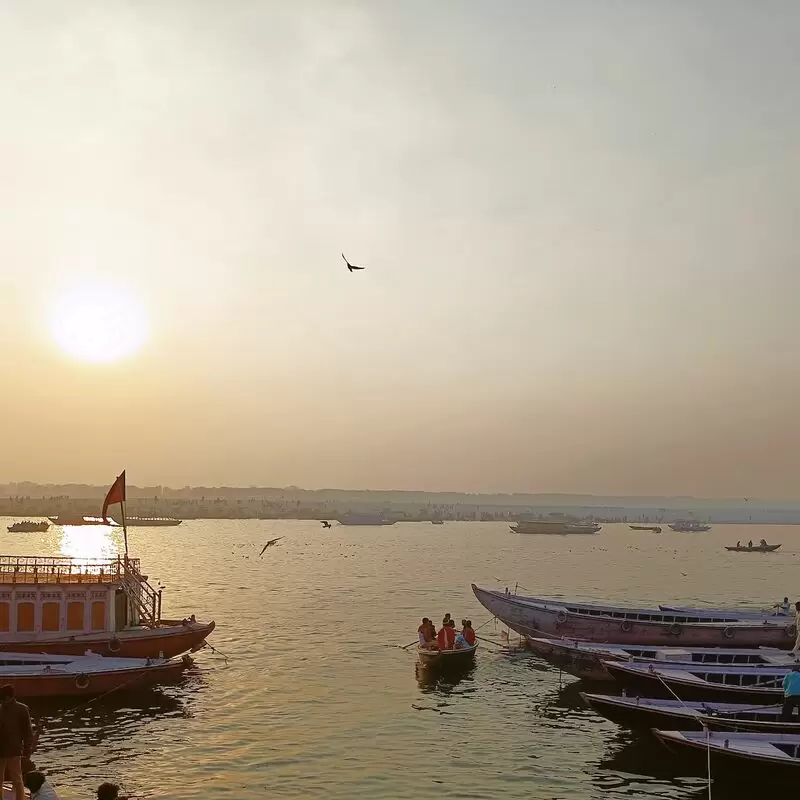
[448,637]
[762,543]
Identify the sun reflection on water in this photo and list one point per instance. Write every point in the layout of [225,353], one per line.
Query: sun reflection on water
[95,541]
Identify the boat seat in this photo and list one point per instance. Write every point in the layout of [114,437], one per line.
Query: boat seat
[674,654]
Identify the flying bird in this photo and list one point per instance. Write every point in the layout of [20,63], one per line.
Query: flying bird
[350,266]
[268,544]
[325,523]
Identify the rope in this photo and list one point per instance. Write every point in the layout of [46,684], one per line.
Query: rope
[219,652]
[708,757]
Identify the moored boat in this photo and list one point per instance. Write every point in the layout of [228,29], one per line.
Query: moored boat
[446,659]
[66,606]
[734,683]
[688,526]
[776,615]
[585,659]
[27,526]
[536,617]
[759,548]
[649,712]
[437,522]
[652,528]
[150,522]
[39,675]
[558,528]
[780,753]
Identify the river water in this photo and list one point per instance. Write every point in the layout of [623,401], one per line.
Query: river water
[317,700]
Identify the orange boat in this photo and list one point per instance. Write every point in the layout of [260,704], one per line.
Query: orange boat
[67,606]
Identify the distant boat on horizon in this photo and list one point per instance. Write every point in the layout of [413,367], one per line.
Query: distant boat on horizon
[150,522]
[689,526]
[557,528]
[74,521]
[365,519]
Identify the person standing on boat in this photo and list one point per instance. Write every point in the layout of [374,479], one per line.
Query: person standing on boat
[796,647]
[791,693]
[16,739]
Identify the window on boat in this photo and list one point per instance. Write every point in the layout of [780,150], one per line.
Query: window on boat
[75,615]
[749,680]
[5,617]
[51,616]
[713,677]
[25,616]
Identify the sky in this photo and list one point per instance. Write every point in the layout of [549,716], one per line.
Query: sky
[579,222]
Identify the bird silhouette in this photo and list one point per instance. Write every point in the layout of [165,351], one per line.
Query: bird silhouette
[268,544]
[325,523]
[350,266]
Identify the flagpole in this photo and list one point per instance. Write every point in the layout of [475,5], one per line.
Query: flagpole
[124,527]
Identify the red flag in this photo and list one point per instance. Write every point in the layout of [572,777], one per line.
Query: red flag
[116,494]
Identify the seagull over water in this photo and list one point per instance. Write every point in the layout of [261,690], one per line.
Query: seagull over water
[350,266]
[269,544]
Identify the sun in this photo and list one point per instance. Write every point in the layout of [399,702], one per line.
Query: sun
[99,324]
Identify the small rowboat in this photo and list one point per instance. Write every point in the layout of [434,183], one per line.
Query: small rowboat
[649,712]
[653,528]
[779,752]
[759,548]
[447,659]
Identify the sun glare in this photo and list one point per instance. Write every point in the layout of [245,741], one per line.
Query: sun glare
[99,324]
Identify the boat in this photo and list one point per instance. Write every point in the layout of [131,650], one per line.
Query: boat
[75,521]
[64,606]
[649,712]
[653,528]
[366,519]
[587,622]
[28,527]
[40,675]
[739,683]
[688,526]
[447,659]
[558,528]
[437,522]
[585,659]
[779,752]
[756,548]
[150,522]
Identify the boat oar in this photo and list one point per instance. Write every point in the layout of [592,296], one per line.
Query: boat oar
[406,646]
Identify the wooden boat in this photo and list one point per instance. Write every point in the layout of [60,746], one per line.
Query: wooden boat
[540,618]
[447,659]
[734,683]
[437,522]
[779,752]
[687,526]
[65,606]
[549,527]
[150,522]
[75,521]
[39,675]
[648,712]
[760,548]
[27,526]
[652,528]
[585,659]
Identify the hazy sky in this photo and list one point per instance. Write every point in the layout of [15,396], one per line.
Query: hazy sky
[580,221]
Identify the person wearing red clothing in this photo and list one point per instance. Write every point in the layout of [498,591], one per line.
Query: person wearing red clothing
[447,636]
[468,633]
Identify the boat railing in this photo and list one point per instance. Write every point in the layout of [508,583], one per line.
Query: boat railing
[62,569]
[145,599]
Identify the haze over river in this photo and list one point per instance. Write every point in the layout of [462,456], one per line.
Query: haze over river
[317,701]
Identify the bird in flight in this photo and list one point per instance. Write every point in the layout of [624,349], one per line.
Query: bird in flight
[269,544]
[325,523]
[350,266]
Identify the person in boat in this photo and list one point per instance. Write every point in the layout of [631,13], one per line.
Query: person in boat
[427,635]
[791,693]
[782,608]
[16,739]
[36,783]
[446,638]
[738,544]
[469,633]
[460,643]
[750,545]
[796,649]
[763,543]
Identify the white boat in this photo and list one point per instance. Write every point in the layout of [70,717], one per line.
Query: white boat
[559,528]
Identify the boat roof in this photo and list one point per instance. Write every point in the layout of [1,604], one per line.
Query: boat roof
[683,670]
[689,707]
[767,653]
[763,744]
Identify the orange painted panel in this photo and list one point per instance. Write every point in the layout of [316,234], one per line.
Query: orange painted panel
[5,617]
[75,615]
[26,614]
[51,613]
[98,615]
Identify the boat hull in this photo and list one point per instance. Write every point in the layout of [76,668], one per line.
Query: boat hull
[446,659]
[660,684]
[770,548]
[165,641]
[89,684]
[530,619]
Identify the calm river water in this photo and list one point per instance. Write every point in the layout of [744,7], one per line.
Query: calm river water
[316,700]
